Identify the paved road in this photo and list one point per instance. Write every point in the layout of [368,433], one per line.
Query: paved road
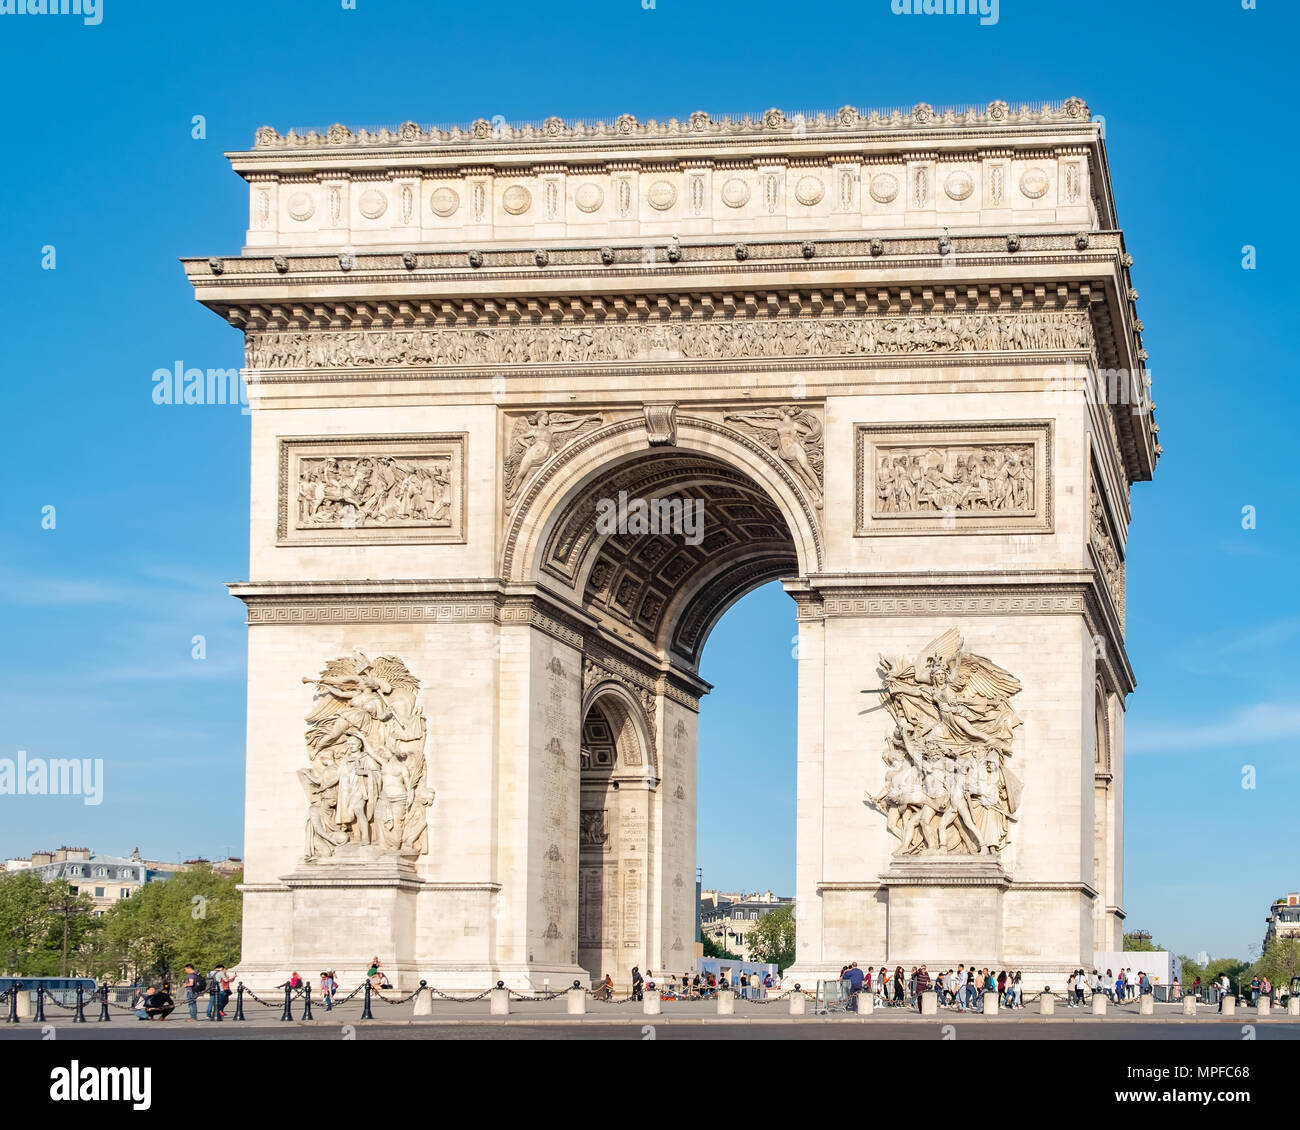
[649,1027]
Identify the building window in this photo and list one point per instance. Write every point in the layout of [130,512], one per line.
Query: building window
[73,890]
[102,872]
[125,893]
[99,914]
[99,892]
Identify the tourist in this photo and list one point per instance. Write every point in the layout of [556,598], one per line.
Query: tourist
[374,976]
[214,992]
[158,1005]
[1225,988]
[1069,990]
[1017,992]
[141,1000]
[1129,983]
[898,986]
[295,981]
[638,983]
[1120,992]
[1002,987]
[1254,990]
[1079,985]
[854,978]
[1108,984]
[227,979]
[922,985]
[328,987]
[1266,989]
[192,989]
[605,990]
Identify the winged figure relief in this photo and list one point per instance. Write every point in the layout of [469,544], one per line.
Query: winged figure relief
[535,437]
[795,434]
[949,788]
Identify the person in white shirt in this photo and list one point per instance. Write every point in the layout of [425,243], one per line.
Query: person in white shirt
[1225,988]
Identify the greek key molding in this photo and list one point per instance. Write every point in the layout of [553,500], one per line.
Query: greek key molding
[397,610]
[987,603]
[929,453]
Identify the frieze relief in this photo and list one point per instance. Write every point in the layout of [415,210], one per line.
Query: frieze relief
[371,490]
[1104,548]
[954,478]
[704,340]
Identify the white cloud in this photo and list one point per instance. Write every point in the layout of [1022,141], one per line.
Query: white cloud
[1253,725]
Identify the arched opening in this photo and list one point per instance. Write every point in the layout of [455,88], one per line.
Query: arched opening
[654,547]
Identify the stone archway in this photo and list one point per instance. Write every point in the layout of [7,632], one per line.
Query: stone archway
[460,344]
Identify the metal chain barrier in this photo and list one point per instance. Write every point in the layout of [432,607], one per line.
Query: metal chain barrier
[459,1000]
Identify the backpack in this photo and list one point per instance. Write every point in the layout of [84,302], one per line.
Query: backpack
[200,983]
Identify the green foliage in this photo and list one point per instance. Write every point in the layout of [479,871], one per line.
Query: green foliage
[772,937]
[1279,963]
[194,917]
[712,949]
[31,930]
[1191,970]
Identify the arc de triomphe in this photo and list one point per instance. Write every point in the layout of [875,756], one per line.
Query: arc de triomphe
[894,357]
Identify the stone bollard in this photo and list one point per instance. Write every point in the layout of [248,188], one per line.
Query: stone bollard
[799,1004]
[1146,1004]
[1099,1004]
[651,1003]
[24,1002]
[423,1001]
[1293,1005]
[990,1003]
[1229,1006]
[929,1003]
[1189,1005]
[1046,1004]
[726,1003]
[1264,1006]
[499,1001]
[577,1000]
[866,1002]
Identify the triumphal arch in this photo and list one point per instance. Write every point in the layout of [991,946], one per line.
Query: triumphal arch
[533,405]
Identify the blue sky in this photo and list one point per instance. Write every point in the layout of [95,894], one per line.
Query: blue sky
[98,615]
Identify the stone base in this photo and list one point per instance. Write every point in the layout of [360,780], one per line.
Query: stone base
[945,907]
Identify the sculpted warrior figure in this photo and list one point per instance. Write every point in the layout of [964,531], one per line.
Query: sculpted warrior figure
[366,781]
[948,788]
[534,440]
[795,435]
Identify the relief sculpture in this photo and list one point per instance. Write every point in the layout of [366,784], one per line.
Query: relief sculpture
[948,789]
[366,782]
[911,480]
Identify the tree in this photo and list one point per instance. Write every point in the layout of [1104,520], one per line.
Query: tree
[31,930]
[712,949]
[195,917]
[1279,963]
[1138,942]
[772,937]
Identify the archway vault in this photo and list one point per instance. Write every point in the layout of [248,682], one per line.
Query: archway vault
[746,522]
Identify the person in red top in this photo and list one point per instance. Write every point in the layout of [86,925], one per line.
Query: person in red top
[922,985]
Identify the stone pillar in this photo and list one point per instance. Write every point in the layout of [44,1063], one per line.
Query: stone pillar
[929,1003]
[1047,1005]
[577,1001]
[726,1004]
[651,1005]
[1189,1005]
[991,1003]
[499,1000]
[1146,1004]
[866,1002]
[423,1003]
[799,1004]
[1229,1006]
[1293,1005]
[1264,1006]
[24,1004]
[1099,1004]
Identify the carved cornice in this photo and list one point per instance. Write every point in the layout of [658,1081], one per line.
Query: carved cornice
[864,256]
[849,122]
